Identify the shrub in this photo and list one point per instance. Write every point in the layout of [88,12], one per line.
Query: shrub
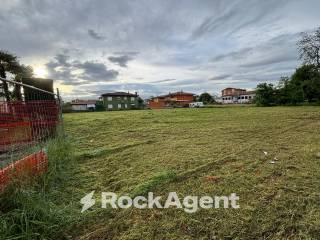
[265,95]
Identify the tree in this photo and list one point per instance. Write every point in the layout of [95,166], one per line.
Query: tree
[141,103]
[9,64]
[309,48]
[206,98]
[307,79]
[66,107]
[288,92]
[265,95]
[24,72]
[304,84]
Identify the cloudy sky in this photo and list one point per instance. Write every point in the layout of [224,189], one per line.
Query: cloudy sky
[153,47]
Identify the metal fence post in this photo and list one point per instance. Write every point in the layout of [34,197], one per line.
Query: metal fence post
[60,113]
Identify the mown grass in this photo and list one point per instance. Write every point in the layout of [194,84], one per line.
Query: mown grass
[135,152]
[160,178]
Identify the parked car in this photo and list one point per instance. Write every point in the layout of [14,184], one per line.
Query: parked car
[196,104]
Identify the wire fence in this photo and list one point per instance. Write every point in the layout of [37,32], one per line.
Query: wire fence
[28,119]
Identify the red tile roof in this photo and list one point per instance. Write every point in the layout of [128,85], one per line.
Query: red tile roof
[181,93]
[175,94]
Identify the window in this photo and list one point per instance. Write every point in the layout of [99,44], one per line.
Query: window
[109,106]
[109,98]
[119,98]
[125,105]
[249,97]
[119,105]
[125,97]
[132,99]
[246,97]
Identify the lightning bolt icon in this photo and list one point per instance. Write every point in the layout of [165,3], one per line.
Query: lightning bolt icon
[87,201]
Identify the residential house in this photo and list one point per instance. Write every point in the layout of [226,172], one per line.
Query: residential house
[120,100]
[176,99]
[83,105]
[236,95]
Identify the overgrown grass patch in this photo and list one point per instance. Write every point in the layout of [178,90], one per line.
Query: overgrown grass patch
[31,207]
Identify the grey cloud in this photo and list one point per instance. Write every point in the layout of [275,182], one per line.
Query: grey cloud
[60,73]
[131,53]
[62,59]
[239,15]
[95,35]
[165,80]
[220,77]
[96,71]
[280,49]
[61,68]
[242,53]
[250,40]
[182,82]
[268,61]
[121,60]
[211,24]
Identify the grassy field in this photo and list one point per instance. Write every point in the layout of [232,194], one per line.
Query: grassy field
[179,150]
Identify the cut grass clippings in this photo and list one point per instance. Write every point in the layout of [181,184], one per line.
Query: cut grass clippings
[184,147]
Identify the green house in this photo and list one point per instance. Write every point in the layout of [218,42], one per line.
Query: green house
[120,101]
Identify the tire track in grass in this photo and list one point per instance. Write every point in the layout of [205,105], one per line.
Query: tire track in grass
[104,151]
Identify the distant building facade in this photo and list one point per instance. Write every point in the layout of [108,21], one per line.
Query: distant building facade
[236,95]
[120,101]
[83,105]
[176,99]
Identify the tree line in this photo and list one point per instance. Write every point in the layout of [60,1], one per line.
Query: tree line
[304,85]
[10,65]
